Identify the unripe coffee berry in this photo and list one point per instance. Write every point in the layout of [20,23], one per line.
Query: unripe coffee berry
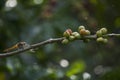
[100,39]
[67,33]
[105,40]
[103,30]
[71,38]
[65,41]
[81,27]
[76,34]
[87,32]
[99,33]
[82,32]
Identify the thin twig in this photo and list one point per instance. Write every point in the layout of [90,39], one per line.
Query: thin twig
[33,46]
[107,35]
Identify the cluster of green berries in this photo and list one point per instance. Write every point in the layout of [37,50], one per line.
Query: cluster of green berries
[82,33]
[100,37]
[70,35]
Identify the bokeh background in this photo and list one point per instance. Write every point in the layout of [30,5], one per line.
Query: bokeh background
[33,21]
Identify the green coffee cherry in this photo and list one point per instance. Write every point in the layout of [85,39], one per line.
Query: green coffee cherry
[71,38]
[105,40]
[100,39]
[103,30]
[81,27]
[87,32]
[65,41]
[82,32]
[99,33]
[67,33]
[76,34]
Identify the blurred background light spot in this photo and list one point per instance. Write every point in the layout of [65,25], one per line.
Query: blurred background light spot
[36,67]
[49,70]
[76,68]
[99,70]
[73,77]
[60,74]
[36,30]
[38,1]
[64,63]
[86,76]
[10,66]
[11,3]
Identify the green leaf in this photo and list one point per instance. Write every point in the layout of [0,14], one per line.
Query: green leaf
[75,68]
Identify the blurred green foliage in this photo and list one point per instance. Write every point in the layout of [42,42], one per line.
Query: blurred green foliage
[33,21]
